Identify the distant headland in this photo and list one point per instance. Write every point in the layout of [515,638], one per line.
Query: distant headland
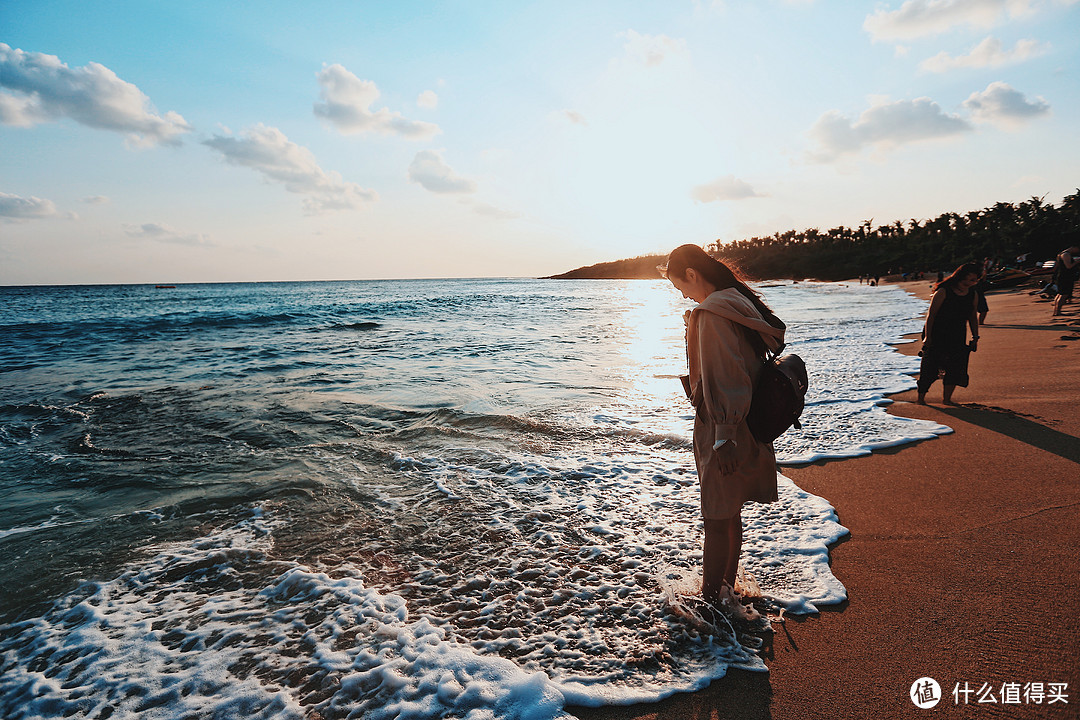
[638,268]
[1012,234]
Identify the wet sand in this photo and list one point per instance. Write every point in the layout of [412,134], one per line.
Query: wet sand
[963,562]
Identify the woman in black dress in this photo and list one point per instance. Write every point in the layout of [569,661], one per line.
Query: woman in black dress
[945,348]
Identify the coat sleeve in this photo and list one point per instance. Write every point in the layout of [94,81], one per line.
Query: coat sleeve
[726,385]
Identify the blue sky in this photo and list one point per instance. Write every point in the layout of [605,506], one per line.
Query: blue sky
[197,141]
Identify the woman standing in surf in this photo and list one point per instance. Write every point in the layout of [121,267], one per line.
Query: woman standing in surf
[945,349]
[727,337]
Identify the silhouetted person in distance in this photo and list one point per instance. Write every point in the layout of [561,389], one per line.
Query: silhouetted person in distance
[1066,270]
[981,287]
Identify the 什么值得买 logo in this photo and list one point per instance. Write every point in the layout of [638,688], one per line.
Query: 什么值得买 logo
[925,692]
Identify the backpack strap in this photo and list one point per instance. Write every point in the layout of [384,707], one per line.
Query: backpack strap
[770,356]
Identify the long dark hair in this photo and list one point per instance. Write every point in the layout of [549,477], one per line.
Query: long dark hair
[968,268]
[721,277]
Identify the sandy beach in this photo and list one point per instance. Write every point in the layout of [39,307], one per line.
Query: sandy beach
[961,564]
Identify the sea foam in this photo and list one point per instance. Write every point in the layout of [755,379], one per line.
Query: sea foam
[218,627]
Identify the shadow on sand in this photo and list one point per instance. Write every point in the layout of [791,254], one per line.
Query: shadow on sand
[1019,427]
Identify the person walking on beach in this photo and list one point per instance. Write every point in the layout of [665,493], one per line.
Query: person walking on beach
[1066,271]
[727,337]
[945,351]
[983,308]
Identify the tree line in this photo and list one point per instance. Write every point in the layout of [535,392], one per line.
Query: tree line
[1013,234]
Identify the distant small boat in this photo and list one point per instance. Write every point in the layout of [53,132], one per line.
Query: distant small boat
[165,287]
[1046,268]
[1007,278]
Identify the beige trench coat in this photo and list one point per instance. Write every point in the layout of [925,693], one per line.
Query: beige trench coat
[723,373]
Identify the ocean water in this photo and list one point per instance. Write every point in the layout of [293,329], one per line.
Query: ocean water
[391,499]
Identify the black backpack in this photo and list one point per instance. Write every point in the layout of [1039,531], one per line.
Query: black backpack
[778,398]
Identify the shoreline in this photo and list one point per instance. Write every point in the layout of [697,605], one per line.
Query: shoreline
[961,558]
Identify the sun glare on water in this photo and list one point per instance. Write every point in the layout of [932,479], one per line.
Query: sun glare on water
[654,355]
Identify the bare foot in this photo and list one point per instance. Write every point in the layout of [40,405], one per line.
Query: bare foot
[731,603]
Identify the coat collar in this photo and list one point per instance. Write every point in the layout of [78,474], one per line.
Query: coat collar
[736,307]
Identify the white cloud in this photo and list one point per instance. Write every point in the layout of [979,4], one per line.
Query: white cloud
[347,105]
[164,233]
[430,170]
[44,89]
[713,5]
[728,187]
[20,208]
[1028,180]
[575,117]
[651,50]
[268,151]
[494,212]
[883,125]
[988,53]
[1002,105]
[920,18]
[21,111]
[96,200]
[428,99]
